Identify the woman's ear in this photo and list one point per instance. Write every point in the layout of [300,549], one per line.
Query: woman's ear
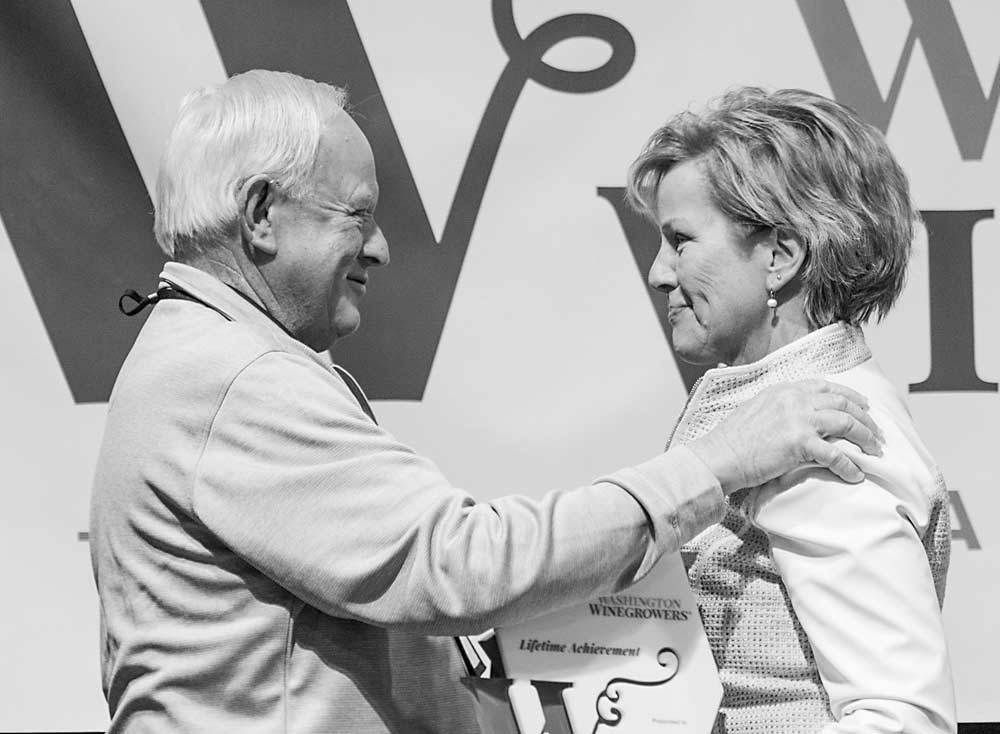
[256,197]
[787,254]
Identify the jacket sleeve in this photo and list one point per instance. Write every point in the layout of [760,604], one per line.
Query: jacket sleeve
[853,562]
[298,481]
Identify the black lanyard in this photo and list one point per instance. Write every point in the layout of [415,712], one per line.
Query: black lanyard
[170,290]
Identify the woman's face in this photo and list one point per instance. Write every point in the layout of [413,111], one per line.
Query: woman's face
[713,271]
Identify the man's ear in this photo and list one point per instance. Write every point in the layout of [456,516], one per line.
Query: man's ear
[256,198]
[787,254]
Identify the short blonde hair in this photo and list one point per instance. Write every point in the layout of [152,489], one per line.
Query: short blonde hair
[795,160]
[259,122]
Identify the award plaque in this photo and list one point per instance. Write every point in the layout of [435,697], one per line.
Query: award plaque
[634,662]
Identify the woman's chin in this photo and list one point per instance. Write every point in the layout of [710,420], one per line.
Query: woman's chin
[698,360]
[694,354]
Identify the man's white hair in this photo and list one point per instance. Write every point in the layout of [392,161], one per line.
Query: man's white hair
[259,122]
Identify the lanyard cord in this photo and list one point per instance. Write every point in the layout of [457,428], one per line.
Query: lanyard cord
[263,310]
[165,292]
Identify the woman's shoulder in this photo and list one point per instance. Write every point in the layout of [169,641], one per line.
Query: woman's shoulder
[870,380]
[905,479]
[904,450]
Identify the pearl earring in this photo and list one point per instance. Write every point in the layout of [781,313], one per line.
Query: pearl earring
[772,302]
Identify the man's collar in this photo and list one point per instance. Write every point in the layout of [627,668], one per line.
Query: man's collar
[238,306]
[243,308]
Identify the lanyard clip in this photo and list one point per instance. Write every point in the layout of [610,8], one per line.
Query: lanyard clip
[139,302]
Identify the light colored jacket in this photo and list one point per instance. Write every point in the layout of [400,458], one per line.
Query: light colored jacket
[821,599]
[268,559]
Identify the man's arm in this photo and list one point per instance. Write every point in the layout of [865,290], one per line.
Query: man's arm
[301,484]
[297,480]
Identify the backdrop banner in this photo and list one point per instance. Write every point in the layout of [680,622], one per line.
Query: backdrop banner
[513,338]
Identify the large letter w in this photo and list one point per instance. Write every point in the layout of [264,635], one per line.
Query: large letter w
[405,315]
[970,112]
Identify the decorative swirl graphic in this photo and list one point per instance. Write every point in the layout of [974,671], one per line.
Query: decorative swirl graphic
[525,62]
[608,713]
[526,53]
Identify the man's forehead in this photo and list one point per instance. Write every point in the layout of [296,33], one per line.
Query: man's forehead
[342,127]
[345,159]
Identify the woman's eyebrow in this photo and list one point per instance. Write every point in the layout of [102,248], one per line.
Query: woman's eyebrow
[672,224]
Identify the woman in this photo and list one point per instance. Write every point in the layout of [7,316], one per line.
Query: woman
[786,223]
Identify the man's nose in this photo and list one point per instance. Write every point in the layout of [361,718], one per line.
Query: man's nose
[375,251]
[663,273]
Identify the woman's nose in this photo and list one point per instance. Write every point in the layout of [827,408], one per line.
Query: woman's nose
[662,274]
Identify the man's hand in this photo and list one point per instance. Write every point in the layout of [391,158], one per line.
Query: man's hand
[786,426]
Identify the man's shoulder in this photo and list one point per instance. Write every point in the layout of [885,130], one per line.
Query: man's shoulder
[189,354]
[185,336]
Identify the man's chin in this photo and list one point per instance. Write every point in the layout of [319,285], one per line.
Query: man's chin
[345,327]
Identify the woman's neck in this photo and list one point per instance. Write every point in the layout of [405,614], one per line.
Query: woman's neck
[786,324]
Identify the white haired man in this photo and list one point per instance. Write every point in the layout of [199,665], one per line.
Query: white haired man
[269,559]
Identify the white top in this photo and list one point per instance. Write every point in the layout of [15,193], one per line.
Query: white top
[821,598]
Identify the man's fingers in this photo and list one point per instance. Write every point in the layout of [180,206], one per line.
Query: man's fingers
[828,455]
[836,388]
[837,400]
[838,424]
[833,401]
[788,424]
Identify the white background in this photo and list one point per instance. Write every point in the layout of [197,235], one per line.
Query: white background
[552,368]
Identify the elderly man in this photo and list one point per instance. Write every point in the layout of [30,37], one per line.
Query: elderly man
[268,558]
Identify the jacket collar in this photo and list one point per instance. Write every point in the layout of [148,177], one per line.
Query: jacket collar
[206,287]
[827,351]
[237,307]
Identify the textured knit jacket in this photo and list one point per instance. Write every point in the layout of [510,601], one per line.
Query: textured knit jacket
[821,599]
[270,560]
